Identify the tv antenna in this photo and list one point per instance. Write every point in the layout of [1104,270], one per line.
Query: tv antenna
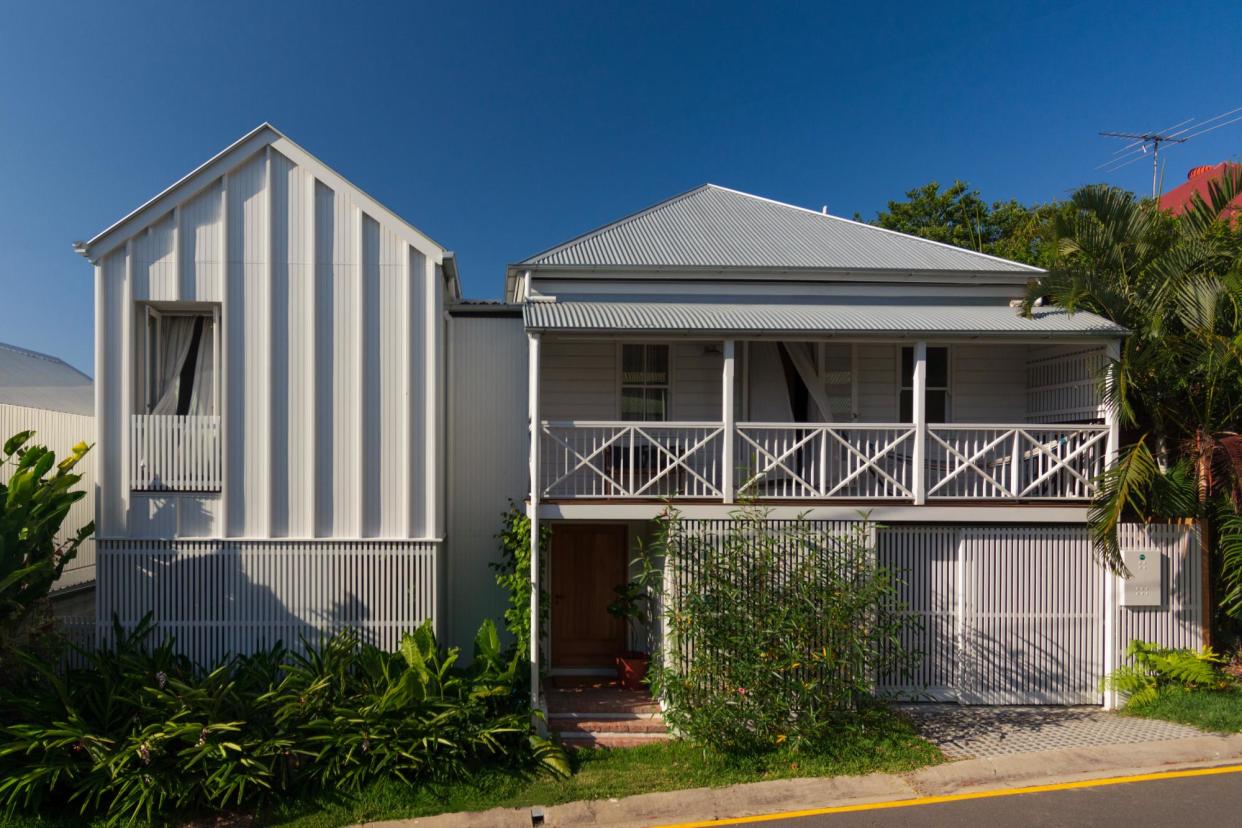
[1144,143]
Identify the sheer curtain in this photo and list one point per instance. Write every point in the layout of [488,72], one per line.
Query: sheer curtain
[176,334]
[202,393]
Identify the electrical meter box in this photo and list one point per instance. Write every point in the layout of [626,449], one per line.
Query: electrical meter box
[1145,586]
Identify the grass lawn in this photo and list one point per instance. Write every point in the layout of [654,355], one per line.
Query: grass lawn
[602,774]
[890,745]
[1218,711]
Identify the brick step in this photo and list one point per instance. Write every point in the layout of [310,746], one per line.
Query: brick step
[565,725]
[611,740]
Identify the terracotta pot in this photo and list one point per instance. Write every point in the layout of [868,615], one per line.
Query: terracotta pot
[632,669]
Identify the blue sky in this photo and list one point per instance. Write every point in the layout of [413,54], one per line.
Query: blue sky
[501,129]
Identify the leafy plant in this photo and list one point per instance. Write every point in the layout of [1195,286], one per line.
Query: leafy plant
[1153,669]
[33,506]
[144,734]
[513,576]
[777,631]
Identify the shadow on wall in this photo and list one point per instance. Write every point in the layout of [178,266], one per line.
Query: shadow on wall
[222,597]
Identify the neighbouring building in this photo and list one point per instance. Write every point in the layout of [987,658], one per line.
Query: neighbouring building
[303,425]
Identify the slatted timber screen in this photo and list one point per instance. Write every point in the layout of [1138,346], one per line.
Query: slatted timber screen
[1062,385]
[217,597]
[924,559]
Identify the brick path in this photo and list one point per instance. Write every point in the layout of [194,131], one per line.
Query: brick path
[983,732]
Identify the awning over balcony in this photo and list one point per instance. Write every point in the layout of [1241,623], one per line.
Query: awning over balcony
[806,315]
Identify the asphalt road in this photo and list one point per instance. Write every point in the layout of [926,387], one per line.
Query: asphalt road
[1192,801]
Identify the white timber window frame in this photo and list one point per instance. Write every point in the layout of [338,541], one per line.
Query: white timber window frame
[644,382]
[153,346]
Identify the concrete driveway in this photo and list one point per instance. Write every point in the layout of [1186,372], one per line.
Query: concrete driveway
[985,732]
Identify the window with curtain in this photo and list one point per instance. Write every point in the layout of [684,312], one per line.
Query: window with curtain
[644,382]
[181,353]
[937,396]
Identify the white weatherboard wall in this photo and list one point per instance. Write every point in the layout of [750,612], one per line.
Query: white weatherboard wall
[60,432]
[488,451]
[332,403]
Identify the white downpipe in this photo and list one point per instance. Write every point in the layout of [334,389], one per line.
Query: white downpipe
[919,410]
[533,404]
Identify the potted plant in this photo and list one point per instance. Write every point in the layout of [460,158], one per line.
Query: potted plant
[630,606]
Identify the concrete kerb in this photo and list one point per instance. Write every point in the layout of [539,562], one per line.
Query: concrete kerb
[756,798]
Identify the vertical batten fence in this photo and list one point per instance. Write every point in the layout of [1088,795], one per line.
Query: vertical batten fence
[236,596]
[1004,614]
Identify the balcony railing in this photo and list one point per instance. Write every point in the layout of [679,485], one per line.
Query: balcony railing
[809,461]
[170,453]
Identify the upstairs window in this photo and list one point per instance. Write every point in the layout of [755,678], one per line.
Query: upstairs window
[644,382]
[937,385]
[181,356]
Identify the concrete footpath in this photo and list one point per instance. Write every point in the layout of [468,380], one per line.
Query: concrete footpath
[1017,770]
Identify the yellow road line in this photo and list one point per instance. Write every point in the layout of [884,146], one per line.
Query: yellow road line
[962,797]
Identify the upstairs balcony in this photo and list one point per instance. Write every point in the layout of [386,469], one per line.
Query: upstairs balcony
[908,423]
[820,462]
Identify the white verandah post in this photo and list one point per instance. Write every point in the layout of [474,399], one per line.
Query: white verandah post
[918,408]
[728,419]
[535,427]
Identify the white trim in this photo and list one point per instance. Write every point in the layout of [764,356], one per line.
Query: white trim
[669,411]
[985,512]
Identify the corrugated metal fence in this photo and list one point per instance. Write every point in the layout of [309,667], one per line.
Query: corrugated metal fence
[60,431]
[236,596]
[1020,614]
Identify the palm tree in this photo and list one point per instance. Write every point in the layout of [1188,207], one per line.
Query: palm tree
[1176,284]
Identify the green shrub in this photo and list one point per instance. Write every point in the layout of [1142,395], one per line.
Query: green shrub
[1153,669]
[777,630]
[33,506]
[142,733]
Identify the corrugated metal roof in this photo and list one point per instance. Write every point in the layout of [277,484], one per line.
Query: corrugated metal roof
[714,226]
[35,380]
[782,315]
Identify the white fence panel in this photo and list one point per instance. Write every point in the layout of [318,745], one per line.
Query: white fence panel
[233,596]
[175,453]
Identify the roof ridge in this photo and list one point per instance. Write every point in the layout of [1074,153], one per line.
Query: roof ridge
[867,226]
[621,222]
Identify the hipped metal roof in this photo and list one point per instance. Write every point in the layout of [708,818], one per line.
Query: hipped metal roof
[34,380]
[753,315]
[711,226]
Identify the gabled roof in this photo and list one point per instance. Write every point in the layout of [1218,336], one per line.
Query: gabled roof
[758,315]
[34,380]
[230,158]
[715,227]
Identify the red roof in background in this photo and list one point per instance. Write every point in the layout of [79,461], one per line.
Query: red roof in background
[1177,199]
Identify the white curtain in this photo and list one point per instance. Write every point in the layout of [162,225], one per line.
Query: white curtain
[176,333]
[203,392]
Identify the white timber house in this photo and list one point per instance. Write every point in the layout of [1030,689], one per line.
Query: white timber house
[302,425]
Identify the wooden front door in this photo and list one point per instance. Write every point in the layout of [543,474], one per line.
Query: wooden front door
[588,563]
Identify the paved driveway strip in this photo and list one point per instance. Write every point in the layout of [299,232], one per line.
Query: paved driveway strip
[985,732]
